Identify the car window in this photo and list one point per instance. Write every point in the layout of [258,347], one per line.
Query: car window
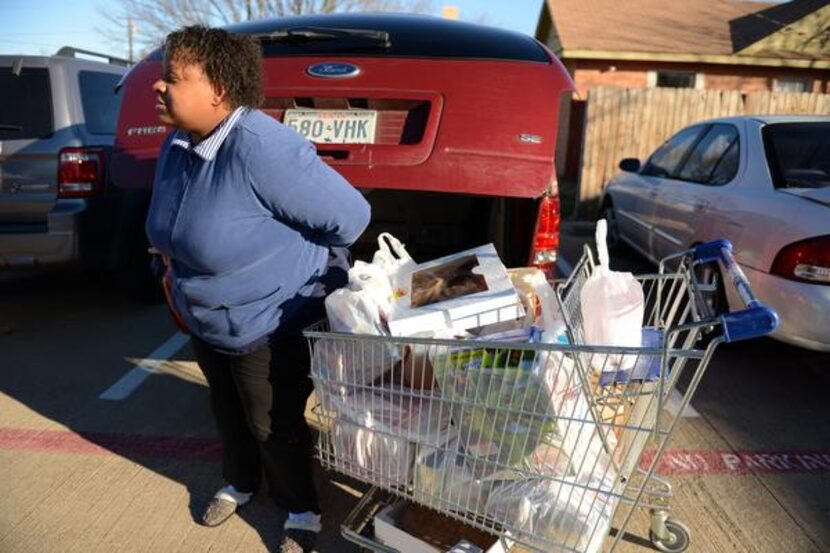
[708,155]
[25,104]
[798,154]
[666,159]
[409,36]
[99,100]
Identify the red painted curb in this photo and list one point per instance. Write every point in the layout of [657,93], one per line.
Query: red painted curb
[680,462]
[98,443]
[673,463]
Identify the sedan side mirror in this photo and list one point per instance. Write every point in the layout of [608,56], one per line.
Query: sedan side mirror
[630,165]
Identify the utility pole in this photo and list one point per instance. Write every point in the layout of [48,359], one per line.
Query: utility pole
[130,33]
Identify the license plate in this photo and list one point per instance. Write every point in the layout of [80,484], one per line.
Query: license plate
[334,126]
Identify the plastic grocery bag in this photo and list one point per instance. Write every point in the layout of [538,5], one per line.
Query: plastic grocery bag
[612,310]
[353,312]
[561,512]
[393,259]
[372,281]
[446,476]
[399,412]
[370,454]
[361,308]
[576,447]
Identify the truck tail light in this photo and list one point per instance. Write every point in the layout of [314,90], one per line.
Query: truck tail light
[545,248]
[805,261]
[80,172]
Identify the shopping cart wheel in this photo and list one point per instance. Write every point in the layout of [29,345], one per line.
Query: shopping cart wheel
[677,537]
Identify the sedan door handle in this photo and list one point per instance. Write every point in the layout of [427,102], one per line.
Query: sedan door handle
[701,206]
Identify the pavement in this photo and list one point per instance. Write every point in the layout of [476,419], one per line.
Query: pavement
[107,443]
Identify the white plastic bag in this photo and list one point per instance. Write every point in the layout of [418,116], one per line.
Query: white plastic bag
[370,454]
[370,280]
[567,513]
[393,259]
[612,309]
[341,363]
[397,412]
[353,312]
[445,476]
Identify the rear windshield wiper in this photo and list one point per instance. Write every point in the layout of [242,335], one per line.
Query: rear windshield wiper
[17,128]
[312,34]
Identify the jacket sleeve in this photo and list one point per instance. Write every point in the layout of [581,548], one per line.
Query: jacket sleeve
[300,188]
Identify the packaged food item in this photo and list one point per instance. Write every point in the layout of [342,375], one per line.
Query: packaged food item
[500,403]
[410,528]
[416,371]
[465,290]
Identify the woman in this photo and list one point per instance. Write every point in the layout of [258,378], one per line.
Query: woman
[248,215]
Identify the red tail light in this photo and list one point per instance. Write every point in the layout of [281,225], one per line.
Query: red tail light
[80,172]
[805,261]
[545,248]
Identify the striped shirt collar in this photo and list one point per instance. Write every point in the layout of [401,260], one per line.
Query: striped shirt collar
[207,148]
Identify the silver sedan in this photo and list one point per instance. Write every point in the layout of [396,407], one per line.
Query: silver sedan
[763,183]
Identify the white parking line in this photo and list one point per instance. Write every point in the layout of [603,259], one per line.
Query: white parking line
[127,384]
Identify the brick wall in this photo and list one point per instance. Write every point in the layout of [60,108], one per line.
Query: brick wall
[628,74]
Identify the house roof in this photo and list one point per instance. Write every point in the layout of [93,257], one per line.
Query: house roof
[682,27]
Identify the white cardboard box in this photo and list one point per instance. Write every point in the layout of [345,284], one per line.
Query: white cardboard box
[463,290]
[389,534]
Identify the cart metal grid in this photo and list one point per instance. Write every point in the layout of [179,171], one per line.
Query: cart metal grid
[545,445]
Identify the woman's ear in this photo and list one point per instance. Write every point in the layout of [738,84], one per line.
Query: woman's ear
[220,96]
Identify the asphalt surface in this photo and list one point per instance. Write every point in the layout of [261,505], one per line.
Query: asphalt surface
[750,462]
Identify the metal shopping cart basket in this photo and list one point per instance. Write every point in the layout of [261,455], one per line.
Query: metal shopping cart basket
[547,444]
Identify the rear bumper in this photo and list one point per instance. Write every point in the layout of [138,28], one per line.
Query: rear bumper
[75,234]
[804,309]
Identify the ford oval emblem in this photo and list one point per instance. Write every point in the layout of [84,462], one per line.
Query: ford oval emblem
[333,70]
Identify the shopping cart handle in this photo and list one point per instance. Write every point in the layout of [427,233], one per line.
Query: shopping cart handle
[756,319]
[753,322]
[711,251]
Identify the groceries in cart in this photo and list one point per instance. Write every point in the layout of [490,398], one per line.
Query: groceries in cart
[460,425]
[480,393]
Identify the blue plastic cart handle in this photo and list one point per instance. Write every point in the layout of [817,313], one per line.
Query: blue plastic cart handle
[756,319]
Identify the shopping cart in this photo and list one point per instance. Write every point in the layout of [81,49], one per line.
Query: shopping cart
[547,445]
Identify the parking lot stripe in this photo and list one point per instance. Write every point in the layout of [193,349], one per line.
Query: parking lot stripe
[127,384]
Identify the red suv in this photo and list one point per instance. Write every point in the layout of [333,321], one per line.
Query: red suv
[449,128]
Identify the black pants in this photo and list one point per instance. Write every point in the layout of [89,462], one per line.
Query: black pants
[258,402]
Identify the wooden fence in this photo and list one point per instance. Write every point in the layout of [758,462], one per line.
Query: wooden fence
[628,122]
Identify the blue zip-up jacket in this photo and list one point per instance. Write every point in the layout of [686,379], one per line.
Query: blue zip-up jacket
[247,217]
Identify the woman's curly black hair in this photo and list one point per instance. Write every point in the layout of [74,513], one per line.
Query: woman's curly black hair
[231,62]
